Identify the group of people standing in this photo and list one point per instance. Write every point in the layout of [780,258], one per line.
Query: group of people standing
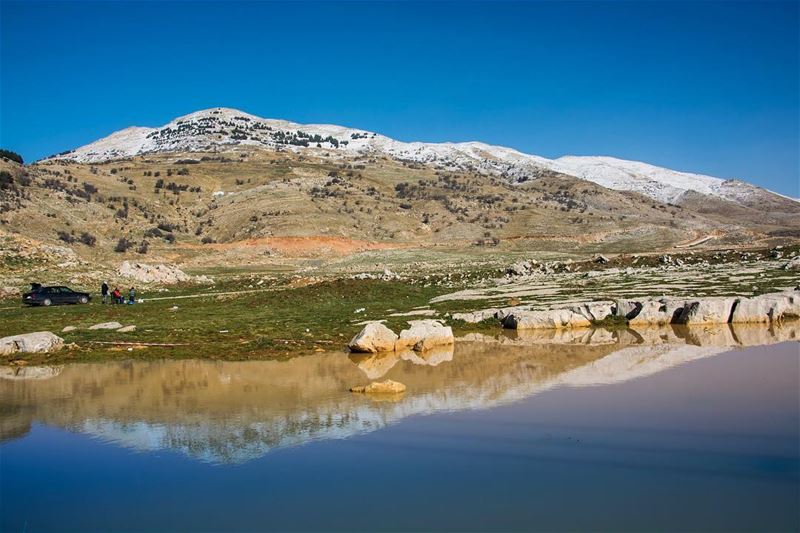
[116,295]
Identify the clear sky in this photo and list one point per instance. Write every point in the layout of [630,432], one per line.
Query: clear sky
[705,87]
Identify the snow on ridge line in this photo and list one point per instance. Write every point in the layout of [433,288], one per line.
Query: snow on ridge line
[215,127]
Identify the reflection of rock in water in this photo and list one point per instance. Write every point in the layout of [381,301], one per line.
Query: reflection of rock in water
[30,372]
[376,365]
[235,411]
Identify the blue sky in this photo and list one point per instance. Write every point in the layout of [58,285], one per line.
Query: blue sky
[705,87]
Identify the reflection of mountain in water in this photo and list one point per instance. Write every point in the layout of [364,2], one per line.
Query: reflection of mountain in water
[235,411]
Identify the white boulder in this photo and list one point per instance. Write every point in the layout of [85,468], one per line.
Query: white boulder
[375,337]
[38,342]
[425,334]
[106,325]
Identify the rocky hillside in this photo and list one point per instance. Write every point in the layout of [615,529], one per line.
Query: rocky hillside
[220,187]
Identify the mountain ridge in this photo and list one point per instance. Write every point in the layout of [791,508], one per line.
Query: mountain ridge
[225,128]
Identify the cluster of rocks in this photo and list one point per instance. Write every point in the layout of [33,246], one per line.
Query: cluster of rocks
[420,336]
[766,308]
[162,274]
[387,275]
[532,267]
[38,342]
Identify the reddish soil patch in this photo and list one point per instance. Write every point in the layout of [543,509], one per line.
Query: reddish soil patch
[305,246]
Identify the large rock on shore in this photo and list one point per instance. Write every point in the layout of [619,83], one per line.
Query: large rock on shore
[38,342]
[706,311]
[655,312]
[594,311]
[375,337]
[767,308]
[552,318]
[425,334]
[662,311]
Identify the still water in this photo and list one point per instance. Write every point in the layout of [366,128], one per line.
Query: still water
[658,430]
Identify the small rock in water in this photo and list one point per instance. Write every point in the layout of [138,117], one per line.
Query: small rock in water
[67,329]
[127,329]
[381,387]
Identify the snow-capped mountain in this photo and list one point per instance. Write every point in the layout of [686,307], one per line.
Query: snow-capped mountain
[222,128]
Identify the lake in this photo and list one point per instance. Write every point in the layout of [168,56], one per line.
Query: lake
[666,429]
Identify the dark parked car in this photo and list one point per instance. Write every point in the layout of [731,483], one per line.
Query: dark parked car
[54,296]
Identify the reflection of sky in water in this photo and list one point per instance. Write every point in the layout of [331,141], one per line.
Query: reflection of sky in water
[696,443]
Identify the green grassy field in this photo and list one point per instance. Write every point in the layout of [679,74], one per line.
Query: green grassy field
[266,314]
[261,323]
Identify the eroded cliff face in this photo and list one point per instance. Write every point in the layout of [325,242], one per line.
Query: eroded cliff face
[224,412]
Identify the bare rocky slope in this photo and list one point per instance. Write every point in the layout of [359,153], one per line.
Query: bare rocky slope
[220,187]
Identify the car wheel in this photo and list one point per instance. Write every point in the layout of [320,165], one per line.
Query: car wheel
[47,302]
[84,300]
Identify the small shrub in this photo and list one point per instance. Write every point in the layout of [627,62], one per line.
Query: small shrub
[88,239]
[66,237]
[122,245]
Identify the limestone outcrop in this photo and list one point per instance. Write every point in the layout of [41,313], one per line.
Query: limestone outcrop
[577,316]
[765,308]
[706,311]
[552,318]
